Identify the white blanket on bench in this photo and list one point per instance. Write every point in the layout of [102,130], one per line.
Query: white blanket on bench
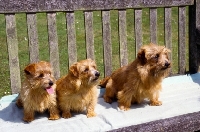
[180,95]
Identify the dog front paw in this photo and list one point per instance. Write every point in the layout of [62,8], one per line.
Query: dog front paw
[107,99]
[124,108]
[91,114]
[54,117]
[156,103]
[66,115]
[28,119]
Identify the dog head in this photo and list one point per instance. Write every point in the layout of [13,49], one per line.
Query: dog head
[86,71]
[155,58]
[40,75]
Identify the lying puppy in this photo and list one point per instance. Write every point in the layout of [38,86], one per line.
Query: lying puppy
[38,91]
[77,91]
[140,79]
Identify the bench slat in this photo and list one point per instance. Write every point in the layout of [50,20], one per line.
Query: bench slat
[12,43]
[123,38]
[89,34]
[53,43]
[71,37]
[182,36]
[168,31]
[138,29]
[153,25]
[10,6]
[107,42]
[33,37]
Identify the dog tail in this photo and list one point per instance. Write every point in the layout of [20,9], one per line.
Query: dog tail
[104,82]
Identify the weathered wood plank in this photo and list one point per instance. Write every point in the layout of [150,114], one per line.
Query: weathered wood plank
[122,38]
[138,29]
[71,38]
[11,6]
[12,43]
[107,42]
[168,31]
[53,44]
[89,34]
[153,25]
[194,35]
[182,37]
[33,37]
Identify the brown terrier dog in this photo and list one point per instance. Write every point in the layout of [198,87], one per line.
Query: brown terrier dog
[38,91]
[140,79]
[77,91]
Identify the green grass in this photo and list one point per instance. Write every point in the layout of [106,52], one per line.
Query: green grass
[80,37]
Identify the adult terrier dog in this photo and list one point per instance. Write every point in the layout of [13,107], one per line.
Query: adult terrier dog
[140,79]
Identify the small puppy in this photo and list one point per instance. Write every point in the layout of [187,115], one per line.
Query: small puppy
[38,91]
[140,79]
[77,91]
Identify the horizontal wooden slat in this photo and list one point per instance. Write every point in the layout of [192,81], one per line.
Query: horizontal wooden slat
[53,43]
[10,6]
[12,43]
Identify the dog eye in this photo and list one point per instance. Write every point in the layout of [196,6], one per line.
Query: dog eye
[86,70]
[156,56]
[41,75]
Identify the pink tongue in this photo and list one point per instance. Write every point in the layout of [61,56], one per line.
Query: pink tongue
[50,90]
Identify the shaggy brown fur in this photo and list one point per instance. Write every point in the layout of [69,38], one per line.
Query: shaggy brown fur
[77,91]
[38,91]
[140,79]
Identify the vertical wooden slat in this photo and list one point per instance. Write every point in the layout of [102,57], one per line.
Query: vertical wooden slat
[89,34]
[53,43]
[12,43]
[168,31]
[71,37]
[138,29]
[33,37]
[107,42]
[182,36]
[194,37]
[122,38]
[153,25]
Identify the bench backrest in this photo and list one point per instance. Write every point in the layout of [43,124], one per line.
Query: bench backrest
[50,7]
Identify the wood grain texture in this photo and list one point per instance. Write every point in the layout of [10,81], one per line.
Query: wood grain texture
[153,25]
[11,6]
[33,37]
[123,38]
[53,43]
[168,31]
[89,34]
[181,41]
[71,38]
[107,46]
[138,29]
[12,43]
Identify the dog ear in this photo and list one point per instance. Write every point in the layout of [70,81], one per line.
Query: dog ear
[30,69]
[74,70]
[141,56]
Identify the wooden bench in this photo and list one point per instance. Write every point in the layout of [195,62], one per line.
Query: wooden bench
[31,8]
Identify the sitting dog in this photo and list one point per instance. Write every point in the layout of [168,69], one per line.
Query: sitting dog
[38,91]
[77,90]
[140,79]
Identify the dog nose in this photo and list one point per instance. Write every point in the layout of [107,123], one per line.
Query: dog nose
[50,83]
[167,63]
[97,74]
